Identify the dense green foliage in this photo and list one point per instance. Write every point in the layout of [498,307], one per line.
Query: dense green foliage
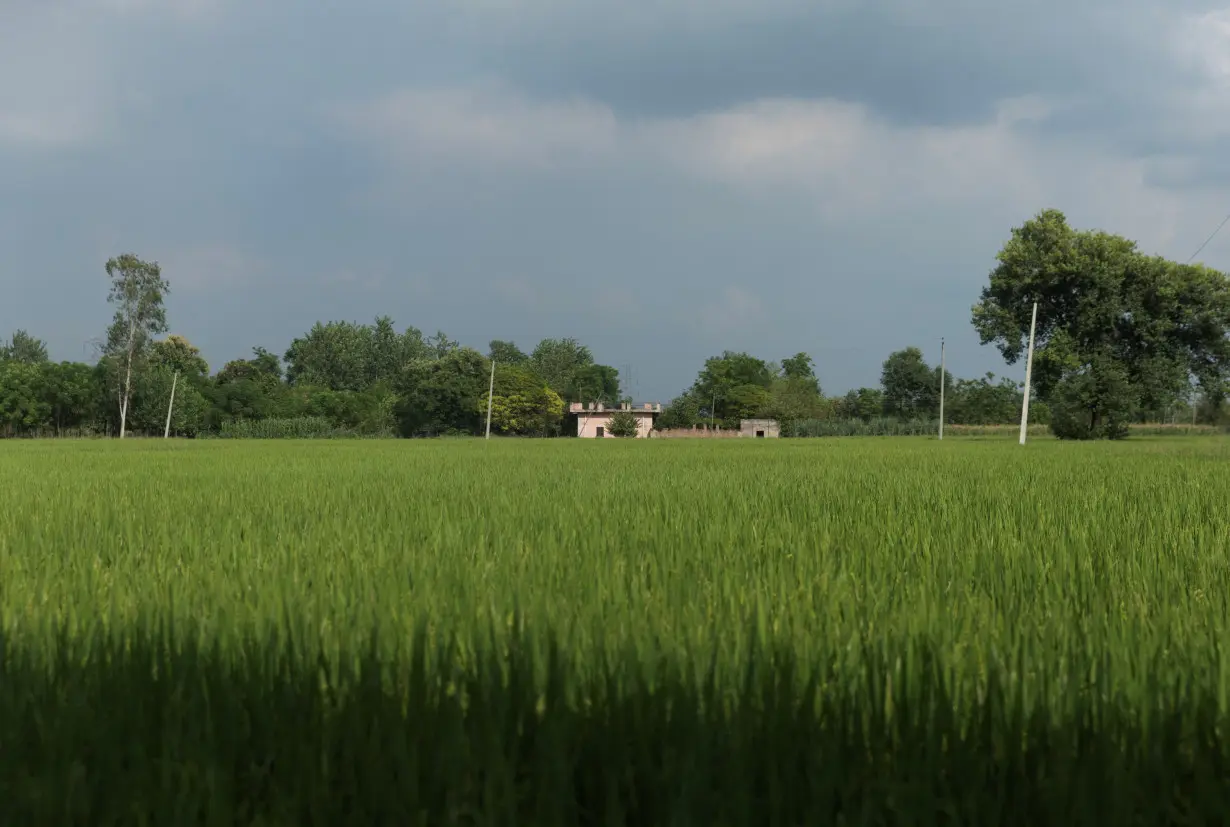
[734,386]
[24,348]
[339,379]
[1123,338]
[521,403]
[911,386]
[1095,401]
[880,426]
[1117,329]
[370,380]
[301,427]
[137,293]
[627,632]
[363,379]
[622,424]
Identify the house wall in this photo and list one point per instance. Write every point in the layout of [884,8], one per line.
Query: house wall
[749,427]
[700,432]
[589,423]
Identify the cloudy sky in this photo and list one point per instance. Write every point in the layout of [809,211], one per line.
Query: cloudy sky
[660,180]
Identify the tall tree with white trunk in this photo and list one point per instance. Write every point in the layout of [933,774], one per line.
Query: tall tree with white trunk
[137,291]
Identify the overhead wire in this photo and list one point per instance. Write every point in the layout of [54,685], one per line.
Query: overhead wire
[1223,223]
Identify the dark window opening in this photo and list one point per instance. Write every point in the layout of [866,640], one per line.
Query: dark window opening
[760,433]
[601,432]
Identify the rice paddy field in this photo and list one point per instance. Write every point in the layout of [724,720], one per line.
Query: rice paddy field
[781,632]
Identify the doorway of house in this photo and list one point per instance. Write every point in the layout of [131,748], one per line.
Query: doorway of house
[760,433]
[601,432]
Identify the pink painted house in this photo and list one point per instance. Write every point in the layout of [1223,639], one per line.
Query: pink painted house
[593,418]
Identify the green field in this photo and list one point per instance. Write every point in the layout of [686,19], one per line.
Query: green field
[609,632]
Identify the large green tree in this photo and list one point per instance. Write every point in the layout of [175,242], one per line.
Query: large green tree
[732,385]
[264,367]
[23,347]
[137,292]
[153,397]
[861,403]
[253,389]
[681,412]
[801,368]
[984,401]
[1101,302]
[522,403]
[793,398]
[74,394]
[177,355]
[388,352]
[152,391]
[506,353]
[334,355]
[558,362]
[911,386]
[350,356]
[23,399]
[439,345]
[737,385]
[596,383]
[441,395]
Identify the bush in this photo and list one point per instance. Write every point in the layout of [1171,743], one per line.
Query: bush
[1096,402]
[300,427]
[622,424]
[883,426]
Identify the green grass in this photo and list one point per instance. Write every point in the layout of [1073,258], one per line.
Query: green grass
[616,632]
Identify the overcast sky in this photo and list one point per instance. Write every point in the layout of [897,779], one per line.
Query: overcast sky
[660,180]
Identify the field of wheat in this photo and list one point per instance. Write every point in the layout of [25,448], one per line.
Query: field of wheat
[863,631]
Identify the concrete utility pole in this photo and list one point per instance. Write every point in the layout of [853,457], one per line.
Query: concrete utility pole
[490,394]
[1029,369]
[171,406]
[941,389]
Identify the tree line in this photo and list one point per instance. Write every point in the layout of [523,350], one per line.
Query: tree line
[737,386]
[343,377]
[339,377]
[353,378]
[372,379]
[1121,337]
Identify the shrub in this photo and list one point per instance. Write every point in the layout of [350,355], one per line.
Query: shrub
[883,426]
[1095,402]
[622,424]
[300,427]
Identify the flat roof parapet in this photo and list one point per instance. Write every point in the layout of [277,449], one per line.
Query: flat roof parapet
[598,407]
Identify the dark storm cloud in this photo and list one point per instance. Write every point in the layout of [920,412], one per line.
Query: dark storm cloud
[203,133]
[936,63]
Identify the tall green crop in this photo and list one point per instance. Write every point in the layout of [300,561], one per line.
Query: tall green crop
[614,632]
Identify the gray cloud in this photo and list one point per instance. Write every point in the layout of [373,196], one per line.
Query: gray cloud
[943,62]
[775,176]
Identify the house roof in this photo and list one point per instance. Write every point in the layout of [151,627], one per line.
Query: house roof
[599,408]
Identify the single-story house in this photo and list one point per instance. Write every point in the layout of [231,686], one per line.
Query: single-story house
[594,418]
[759,428]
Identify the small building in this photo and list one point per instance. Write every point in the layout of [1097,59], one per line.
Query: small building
[759,428]
[594,418]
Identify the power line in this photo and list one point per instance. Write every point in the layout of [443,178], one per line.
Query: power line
[1223,223]
[629,388]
